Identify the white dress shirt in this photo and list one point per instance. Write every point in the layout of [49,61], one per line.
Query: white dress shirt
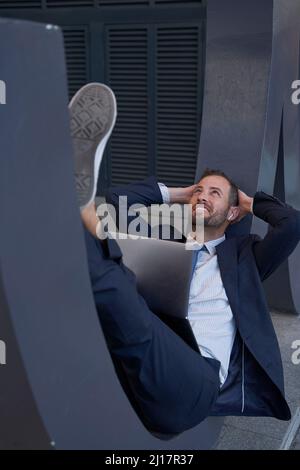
[209,312]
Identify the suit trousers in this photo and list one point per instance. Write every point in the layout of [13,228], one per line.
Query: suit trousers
[171,386]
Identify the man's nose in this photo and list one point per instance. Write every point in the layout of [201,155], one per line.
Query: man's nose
[202,198]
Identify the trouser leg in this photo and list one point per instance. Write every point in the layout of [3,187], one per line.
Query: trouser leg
[173,385]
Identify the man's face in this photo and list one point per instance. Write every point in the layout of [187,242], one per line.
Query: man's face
[213,193]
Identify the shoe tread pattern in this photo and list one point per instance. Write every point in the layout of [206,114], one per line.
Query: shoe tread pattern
[91,118]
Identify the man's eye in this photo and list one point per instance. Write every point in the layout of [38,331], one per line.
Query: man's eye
[197,190]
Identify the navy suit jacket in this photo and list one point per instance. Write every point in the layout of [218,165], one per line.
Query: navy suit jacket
[255,385]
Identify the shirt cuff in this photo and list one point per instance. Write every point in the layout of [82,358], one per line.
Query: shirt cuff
[164,193]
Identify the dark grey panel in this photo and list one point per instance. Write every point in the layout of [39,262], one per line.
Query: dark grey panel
[280,164]
[68,386]
[21,426]
[238,57]
[252,57]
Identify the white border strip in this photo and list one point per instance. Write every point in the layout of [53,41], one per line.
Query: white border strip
[291,431]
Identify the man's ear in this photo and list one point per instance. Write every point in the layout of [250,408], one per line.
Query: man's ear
[233,214]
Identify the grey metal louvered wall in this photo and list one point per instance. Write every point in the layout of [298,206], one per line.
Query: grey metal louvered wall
[127,64]
[77,56]
[177,103]
[155,74]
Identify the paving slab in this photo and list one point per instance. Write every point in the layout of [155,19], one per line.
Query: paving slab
[267,433]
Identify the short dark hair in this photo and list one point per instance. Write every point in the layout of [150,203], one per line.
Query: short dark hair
[233,192]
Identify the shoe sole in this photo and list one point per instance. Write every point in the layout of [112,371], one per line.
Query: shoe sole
[93,115]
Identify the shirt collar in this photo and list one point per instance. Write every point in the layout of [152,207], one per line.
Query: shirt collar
[210,244]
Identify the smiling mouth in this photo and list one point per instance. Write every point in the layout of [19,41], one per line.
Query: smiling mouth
[200,209]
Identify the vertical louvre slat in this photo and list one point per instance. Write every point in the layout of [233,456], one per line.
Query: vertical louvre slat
[87,3]
[127,75]
[180,2]
[76,48]
[177,104]
[69,3]
[20,4]
[122,2]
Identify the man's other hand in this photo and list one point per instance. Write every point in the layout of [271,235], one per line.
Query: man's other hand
[245,206]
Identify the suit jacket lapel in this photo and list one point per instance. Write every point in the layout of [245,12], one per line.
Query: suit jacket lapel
[227,259]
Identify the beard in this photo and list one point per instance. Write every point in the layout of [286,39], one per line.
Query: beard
[212,220]
[216,220]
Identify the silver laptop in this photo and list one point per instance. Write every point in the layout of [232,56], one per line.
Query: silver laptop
[163,270]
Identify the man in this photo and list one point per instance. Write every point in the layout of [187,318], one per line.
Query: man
[229,363]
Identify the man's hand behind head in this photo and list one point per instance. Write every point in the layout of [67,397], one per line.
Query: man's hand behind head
[244,207]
